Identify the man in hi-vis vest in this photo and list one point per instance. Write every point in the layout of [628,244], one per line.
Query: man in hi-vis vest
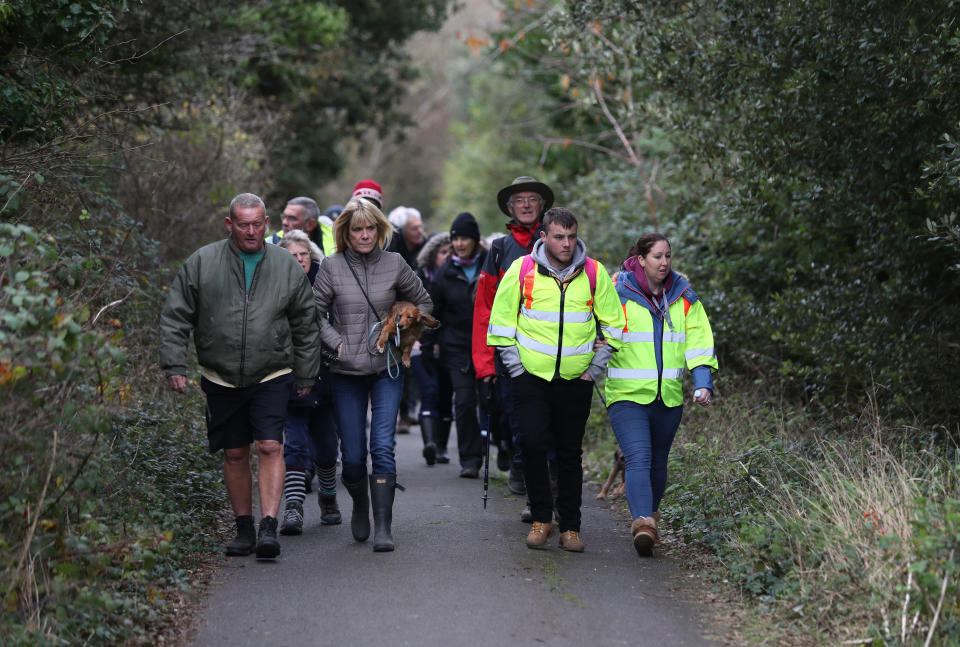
[546,318]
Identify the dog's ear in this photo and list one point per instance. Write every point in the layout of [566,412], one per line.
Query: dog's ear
[428,321]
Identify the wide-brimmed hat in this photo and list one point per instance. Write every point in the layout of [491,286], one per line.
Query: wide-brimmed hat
[524,183]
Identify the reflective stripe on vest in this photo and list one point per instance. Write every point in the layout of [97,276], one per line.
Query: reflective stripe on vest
[502,331]
[548,349]
[698,352]
[644,373]
[554,317]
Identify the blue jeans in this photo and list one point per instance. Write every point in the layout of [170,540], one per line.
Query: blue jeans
[351,395]
[310,431]
[310,438]
[645,433]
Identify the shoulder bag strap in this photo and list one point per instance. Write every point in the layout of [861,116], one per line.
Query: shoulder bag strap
[364,292]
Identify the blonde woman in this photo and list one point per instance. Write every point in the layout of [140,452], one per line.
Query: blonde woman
[354,290]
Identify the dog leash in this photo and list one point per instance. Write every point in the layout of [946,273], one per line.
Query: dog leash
[392,344]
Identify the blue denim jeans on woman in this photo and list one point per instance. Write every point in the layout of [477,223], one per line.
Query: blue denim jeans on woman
[645,433]
[351,395]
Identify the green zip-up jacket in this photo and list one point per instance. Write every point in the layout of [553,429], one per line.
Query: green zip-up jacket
[241,336]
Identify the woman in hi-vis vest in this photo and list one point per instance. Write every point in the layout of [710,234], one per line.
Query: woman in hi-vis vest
[667,333]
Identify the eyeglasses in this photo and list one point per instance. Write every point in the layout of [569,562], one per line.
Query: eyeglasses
[533,200]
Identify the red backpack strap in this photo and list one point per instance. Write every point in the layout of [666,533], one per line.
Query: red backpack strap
[527,276]
[590,267]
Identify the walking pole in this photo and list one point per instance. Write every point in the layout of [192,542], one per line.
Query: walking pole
[486,460]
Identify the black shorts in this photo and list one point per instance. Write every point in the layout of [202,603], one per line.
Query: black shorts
[237,417]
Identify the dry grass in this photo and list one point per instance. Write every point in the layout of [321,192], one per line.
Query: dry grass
[844,530]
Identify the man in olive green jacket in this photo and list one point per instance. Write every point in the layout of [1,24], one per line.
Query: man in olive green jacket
[250,308]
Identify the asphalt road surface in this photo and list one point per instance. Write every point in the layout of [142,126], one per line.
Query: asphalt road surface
[460,575]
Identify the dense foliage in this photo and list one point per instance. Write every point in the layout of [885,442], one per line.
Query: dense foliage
[801,155]
[124,126]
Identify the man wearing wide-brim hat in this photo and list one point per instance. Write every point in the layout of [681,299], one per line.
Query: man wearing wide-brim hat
[525,200]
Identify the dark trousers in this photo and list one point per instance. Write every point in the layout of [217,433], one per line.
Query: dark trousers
[504,422]
[552,417]
[436,394]
[459,367]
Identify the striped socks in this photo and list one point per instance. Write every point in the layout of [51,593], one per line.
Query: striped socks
[327,480]
[295,486]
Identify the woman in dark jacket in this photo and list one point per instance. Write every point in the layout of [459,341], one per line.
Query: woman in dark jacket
[453,290]
[436,393]
[356,287]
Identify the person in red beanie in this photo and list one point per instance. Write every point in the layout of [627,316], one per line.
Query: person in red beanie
[369,190]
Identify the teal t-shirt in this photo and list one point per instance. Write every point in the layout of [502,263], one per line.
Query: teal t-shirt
[250,264]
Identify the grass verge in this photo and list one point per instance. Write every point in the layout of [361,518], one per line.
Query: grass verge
[847,532]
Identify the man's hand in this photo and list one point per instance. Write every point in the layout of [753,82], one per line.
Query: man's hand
[586,376]
[599,343]
[303,391]
[178,383]
[485,390]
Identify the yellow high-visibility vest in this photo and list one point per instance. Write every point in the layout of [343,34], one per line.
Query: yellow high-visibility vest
[633,374]
[552,322]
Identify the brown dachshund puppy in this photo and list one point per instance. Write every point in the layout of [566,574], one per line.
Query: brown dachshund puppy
[411,322]
[619,466]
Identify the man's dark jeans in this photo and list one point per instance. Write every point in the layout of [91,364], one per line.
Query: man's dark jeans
[552,417]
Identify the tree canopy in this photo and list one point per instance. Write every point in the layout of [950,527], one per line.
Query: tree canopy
[801,155]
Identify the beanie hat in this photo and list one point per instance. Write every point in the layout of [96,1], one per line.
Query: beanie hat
[465,225]
[370,190]
[333,211]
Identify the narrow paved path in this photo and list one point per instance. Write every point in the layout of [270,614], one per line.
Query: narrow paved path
[461,575]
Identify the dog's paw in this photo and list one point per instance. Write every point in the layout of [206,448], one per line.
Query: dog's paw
[381,348]
[602,496]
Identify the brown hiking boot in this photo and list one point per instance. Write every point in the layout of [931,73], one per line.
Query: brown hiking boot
[539,533]
[645,535]
[571,541]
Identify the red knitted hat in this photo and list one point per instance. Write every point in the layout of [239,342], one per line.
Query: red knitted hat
[370,190]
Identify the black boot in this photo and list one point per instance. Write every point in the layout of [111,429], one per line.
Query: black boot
[443,434]
[246,537]
[428,429]
[329,510]
[360,519]
[382,489]
[268,547]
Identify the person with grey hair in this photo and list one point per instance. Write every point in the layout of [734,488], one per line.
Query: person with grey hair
[409,238]
[301,213]
[250,309]
[524,201]
[312,441]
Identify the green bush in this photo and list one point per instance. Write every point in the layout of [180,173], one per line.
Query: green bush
[106,500]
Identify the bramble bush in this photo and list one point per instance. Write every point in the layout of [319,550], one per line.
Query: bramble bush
[105,497]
